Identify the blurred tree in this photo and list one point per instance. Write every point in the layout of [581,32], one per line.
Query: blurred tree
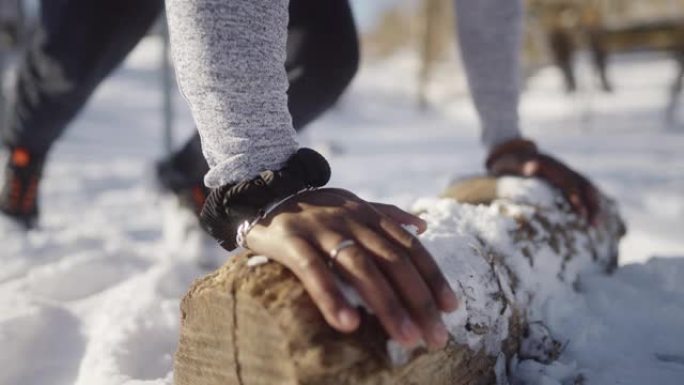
[437,31]
[393,31]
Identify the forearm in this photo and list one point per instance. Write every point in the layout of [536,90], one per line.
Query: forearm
[229,58]
[490,34]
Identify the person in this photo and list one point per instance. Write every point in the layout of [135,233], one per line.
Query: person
[267,194]
[80,42]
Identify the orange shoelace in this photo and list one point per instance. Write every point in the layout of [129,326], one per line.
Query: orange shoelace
[198,198]
[22,198]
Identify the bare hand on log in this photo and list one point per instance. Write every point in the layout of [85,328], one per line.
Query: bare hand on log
[521,158]
[391,270]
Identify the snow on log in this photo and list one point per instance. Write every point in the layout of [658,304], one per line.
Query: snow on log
[507,246]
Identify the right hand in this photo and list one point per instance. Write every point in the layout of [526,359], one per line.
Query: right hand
[394,274]
[520,157]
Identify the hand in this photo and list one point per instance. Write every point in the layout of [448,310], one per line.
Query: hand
[519,157]
[390,269]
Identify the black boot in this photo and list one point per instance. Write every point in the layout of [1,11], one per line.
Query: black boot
[182,174]
[19,190]
[189,190]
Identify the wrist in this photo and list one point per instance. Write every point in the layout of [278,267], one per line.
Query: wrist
[519,149]
[233,209]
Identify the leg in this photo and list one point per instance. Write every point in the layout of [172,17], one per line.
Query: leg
[600,56]
[322,59]
[676,89]
[563,49]
[322,56]
[79,42]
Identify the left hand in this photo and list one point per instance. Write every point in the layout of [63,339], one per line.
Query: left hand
[520,157]
[388,266]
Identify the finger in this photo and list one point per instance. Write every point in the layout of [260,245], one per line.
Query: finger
[408,283]
[575,199]
[424,263]
[557,175]
[530,168]
[591,197]
[343,193]
[392,211]
[507,165]
[401,216]
[310,267]
[358,268]
[588,205]
[568,182]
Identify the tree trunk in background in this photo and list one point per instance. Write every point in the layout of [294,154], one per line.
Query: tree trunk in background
[436,35]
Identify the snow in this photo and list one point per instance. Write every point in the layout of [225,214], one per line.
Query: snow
[92,297]
[483,252]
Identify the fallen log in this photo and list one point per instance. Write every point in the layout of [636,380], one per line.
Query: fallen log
[252,323]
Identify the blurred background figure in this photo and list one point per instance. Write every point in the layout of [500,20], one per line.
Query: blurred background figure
[569,24]
[559,32]
[608,27]
[78,43]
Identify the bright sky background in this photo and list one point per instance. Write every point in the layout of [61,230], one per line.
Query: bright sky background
[367,11]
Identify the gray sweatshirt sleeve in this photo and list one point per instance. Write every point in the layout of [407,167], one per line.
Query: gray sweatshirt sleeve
[490,33]
[229,58]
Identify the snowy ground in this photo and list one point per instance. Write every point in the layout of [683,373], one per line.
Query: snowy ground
[92,297]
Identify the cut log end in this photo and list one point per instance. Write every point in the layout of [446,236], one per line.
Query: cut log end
[256,325]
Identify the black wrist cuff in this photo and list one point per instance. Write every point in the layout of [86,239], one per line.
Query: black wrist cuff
[228,207]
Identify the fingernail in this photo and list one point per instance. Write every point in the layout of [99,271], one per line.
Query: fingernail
[450,299]
[347,319]
[530,168]
[409,330]
[440,334]
[423,224]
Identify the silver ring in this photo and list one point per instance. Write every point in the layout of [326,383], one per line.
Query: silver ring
[341,246]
